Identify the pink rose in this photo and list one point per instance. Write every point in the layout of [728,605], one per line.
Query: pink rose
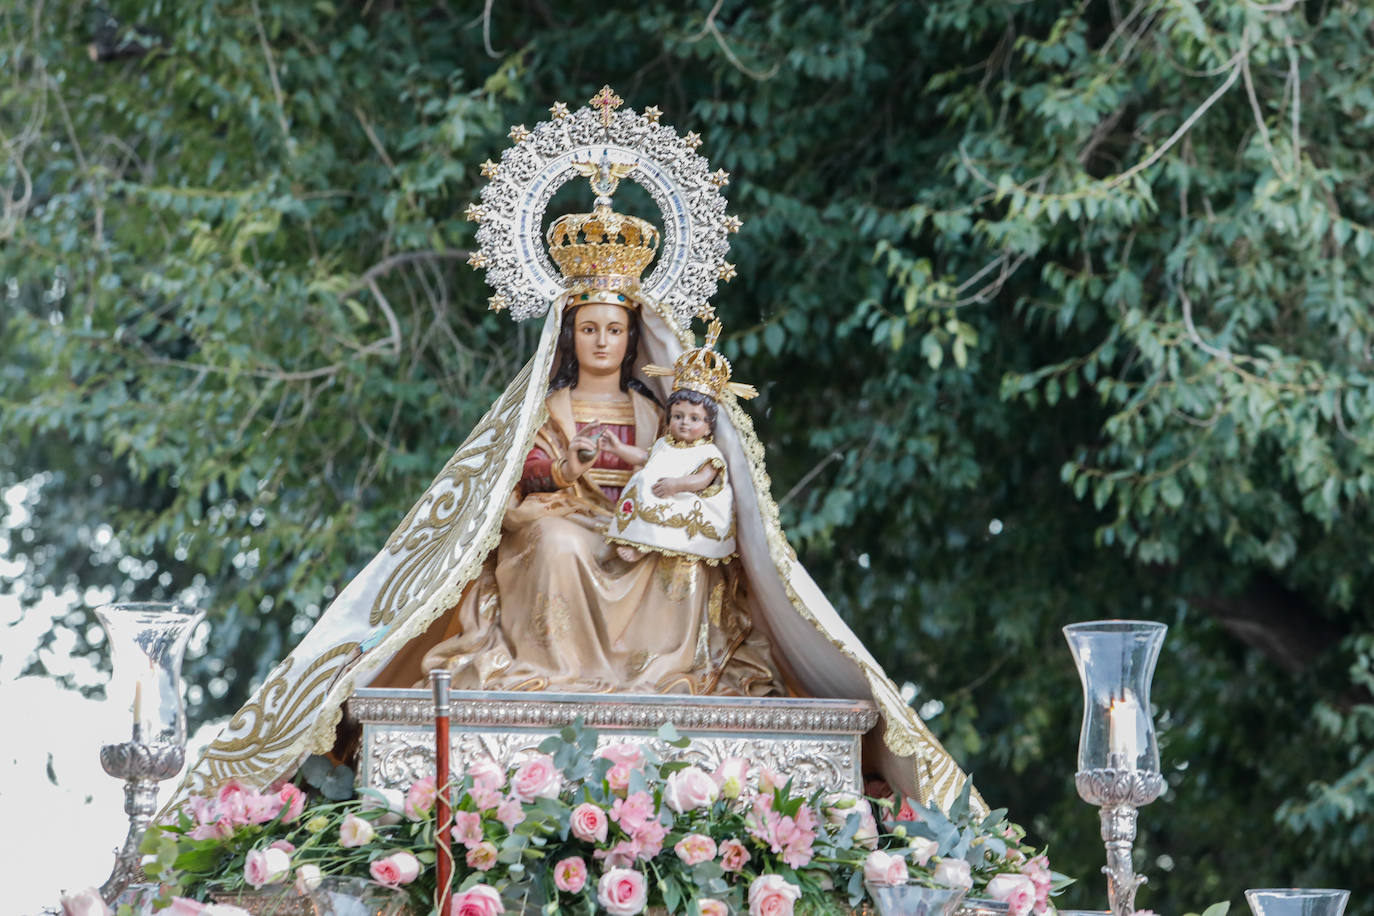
[478,900]
[537,777]
[771,895]
[618,777]
[729,777]
[467,828]
[589,822]
[292,801]
[906,812]
[710,907]
[633,812]
[85,902]
[354,831]
[1017,891]
[953,873]
[626,753]
[510,812]
[482,856]
[396,869]
[266,866]
[922,849]
[622,892]
[733,855]
[881,868]
[694,848]
[421,798]
[308,878]
[487,775]
[570,874]
[688,789]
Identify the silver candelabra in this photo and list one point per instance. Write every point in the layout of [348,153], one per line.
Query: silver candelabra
[1118,757]
[147,642]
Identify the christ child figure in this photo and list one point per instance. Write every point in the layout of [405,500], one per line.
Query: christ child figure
[678,502]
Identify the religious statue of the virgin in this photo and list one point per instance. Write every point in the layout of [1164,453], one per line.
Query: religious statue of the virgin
[503,573]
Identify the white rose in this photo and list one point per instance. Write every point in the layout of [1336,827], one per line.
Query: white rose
[690,788]
[953,873]
[922,849]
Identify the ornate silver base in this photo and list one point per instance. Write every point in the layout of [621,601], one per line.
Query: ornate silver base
[1119,793]
[141,766]
[816,742]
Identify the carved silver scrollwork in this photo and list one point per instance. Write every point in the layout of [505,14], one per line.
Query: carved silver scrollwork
[814,742]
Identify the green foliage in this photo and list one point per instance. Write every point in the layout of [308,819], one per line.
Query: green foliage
[1058,312]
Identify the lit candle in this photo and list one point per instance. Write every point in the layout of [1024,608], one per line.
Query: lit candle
[1123,738]
[138,710]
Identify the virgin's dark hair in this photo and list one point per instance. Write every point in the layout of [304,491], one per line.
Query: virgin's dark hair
[565,376]
[695,397]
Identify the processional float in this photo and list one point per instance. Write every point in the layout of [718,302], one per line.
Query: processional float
[817,741]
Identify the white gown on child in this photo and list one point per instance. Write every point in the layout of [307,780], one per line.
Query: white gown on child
[699,525]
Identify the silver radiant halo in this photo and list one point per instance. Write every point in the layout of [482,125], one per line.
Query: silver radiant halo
[694,225]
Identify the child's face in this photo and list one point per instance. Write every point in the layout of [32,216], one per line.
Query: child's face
[687,421]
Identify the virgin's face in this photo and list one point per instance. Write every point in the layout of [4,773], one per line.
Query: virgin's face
[600,336]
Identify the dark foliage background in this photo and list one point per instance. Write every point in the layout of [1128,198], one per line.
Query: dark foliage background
[1059,311]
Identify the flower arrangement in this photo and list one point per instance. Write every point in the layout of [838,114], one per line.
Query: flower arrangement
[587,830]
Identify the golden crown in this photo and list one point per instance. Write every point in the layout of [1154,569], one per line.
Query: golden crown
[704,369]
[602,251]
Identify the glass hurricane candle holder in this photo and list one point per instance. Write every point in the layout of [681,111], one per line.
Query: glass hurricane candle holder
[147,642]
[1296,901]
[1118,758]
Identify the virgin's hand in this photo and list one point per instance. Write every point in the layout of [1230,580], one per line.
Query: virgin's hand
[576,466]
[665,487]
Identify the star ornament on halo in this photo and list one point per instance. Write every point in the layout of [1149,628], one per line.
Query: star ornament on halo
[559,110]
[653,113]
[519,133]
[720,178]
[489,169]
[692,139]
[732,223]
[474,213]
[727,272]
[477,260]
[498,303]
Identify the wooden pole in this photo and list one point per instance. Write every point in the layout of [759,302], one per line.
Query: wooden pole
[439,681]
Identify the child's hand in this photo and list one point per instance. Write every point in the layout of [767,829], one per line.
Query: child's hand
[667,486]
[610,443]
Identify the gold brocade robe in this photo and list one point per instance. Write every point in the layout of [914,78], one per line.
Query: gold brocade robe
[555,608]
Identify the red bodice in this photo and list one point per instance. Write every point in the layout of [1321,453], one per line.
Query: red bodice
[538,474]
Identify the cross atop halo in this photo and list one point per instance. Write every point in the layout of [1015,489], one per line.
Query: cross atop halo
[607,101]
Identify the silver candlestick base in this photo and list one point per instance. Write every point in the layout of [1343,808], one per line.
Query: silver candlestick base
[1119,793]
[141,766]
